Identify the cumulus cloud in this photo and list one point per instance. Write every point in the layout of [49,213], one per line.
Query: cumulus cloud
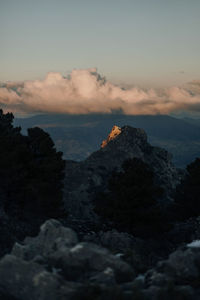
[85,91]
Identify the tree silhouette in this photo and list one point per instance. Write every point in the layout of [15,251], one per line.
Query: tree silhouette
[187,197]
[131,201]
[31,174]
[31,171]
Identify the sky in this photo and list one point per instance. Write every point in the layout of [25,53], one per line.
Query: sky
[149,43]
[88,56]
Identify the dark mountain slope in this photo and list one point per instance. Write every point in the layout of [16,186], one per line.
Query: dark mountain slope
[84,179]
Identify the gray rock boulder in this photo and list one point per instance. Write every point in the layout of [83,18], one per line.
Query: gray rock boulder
[27,280]
[52,236]
[85,259]
[54,265]
[112,239]
[175,278]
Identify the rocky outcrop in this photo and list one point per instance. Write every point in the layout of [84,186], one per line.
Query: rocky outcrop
[175,278]
[55,266]
[85,179]
[113,134]
[112,239]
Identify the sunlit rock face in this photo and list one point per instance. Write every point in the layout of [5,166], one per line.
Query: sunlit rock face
[85,179]
[113,134]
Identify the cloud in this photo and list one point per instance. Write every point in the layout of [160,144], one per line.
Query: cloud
[86,91]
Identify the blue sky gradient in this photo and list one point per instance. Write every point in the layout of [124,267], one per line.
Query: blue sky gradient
[144,42]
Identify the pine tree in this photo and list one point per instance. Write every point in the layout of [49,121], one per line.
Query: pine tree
[187,198]
[131,202]
[31,171]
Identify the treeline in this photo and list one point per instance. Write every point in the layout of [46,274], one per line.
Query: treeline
[31,170]
[31,180]
[132,201]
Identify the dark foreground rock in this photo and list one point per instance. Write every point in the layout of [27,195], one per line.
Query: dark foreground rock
[178,277]
[55,266]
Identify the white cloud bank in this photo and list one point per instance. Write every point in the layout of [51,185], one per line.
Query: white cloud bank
[85,91]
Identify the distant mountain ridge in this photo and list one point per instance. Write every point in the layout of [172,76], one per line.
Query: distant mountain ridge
[79,135]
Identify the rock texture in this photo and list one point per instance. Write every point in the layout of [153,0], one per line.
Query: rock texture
[112,239]
[113,134]
[177,276]
[56,266]
[85,179]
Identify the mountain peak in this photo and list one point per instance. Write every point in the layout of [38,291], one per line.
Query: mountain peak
[116,130]
[125,136]
[84,179]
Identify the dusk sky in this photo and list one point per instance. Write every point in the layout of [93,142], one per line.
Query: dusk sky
[86,56]
[144,42]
